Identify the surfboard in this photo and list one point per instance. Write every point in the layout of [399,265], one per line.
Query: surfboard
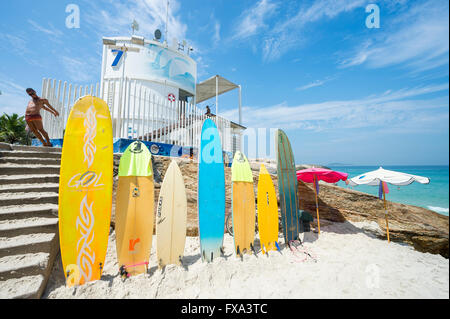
[243,205]
[85,190]
[134,210]
[287,186]
[171,218]
[267,211]
[211,192]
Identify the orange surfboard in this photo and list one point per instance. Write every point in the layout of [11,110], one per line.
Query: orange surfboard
[243,205]
[134,210]
[85,190]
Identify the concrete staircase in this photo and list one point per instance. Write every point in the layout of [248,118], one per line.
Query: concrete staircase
[29,239]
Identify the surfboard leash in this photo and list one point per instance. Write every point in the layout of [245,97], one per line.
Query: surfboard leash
[295,251]
[293,245]
[123,269]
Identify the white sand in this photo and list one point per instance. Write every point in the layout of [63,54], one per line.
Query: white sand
[351,263]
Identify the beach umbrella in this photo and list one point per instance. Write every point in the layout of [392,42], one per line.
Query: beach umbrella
[314,175]
[380,178]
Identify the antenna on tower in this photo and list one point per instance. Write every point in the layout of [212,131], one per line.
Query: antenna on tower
[167,20]
[134,26]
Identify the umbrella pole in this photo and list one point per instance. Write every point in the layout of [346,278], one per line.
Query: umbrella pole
[385,213]
[317,205]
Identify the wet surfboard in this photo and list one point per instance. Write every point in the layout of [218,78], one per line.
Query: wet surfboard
[134,210]
[85,190]
[171,218]
[267,211]
[211,192]
[287,186]
[243,205]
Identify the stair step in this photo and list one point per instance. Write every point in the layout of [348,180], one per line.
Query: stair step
[23,288]
[29,179]
[39,149]
[26,244]
[15,169]
[28,211]
[25,154]
[30,160]
[41,187]
[29,241]
[5,146]
[28,226]
[17,266]
[27,198]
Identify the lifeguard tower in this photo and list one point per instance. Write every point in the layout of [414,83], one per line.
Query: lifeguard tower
[152,91]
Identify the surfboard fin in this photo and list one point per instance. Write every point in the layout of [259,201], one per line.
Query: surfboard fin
[181,260]
[203,254]
[238,252]
[222,251]
[212,256]
[278,246]
[253,248]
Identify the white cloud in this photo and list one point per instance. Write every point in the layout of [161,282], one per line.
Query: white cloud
[19,46]
[150,14]
[401,109]
[289,33]
[314,84]
[51,30]
[13,98]
[252,20]
[81,70]
[417,39]
[216,37]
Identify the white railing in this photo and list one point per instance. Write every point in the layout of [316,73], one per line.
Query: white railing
[136,113]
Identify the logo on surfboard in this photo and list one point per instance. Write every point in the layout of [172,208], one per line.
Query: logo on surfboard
[87,179]
[133,246]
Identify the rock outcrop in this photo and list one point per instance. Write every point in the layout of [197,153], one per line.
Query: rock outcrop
[424,229]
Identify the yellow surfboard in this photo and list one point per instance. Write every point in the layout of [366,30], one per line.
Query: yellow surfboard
[134,210]
[85,190]
[267,211]
[243,205]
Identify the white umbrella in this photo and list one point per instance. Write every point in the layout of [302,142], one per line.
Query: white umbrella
[382,176]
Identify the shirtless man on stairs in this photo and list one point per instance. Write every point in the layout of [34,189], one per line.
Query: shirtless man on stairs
[33,116]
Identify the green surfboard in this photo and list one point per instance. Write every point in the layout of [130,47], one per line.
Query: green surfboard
[287,186]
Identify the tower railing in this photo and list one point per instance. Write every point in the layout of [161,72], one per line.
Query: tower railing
[136,112]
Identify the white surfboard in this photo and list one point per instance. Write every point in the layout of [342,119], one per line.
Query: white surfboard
[171,217]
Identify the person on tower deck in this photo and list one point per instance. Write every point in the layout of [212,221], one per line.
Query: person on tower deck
[208,111]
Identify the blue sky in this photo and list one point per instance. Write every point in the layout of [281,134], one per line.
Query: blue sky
[341,91]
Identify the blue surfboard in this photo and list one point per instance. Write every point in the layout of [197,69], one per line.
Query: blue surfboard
[211,192]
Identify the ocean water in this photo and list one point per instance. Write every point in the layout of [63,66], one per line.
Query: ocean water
[433,196]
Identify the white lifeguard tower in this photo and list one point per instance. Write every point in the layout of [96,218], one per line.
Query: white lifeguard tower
[152,92]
